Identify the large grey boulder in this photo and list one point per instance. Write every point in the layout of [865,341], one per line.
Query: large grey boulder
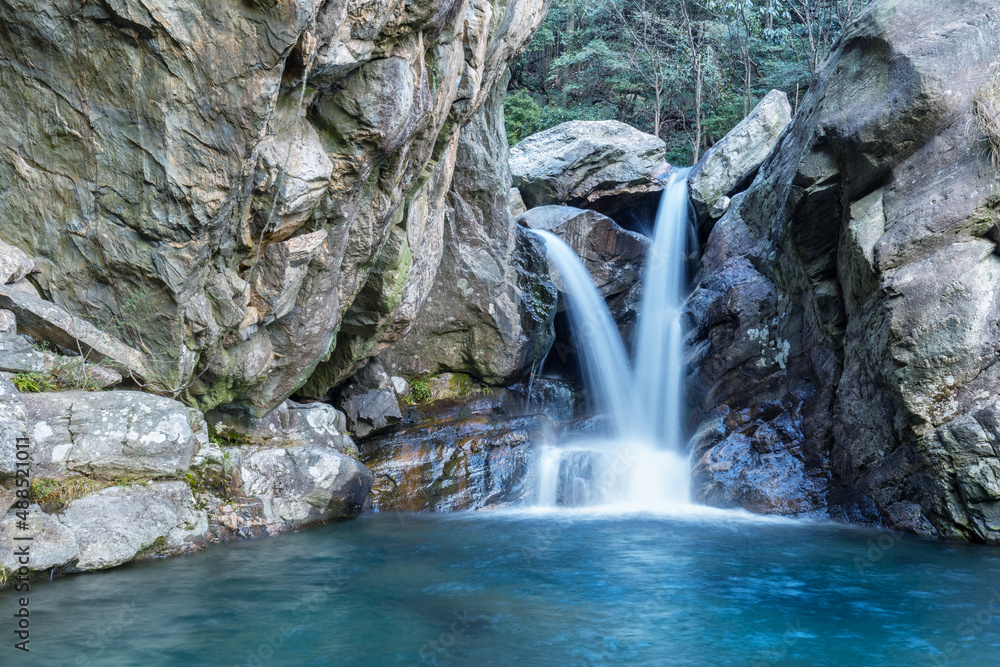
[300,485]
[603,165]
[13,427]
[18,356]
[239,127]
[614,257]
[846,306]
[119,524]
[290,423]
[112,434]
[734,159]
[52,544]
[369,400]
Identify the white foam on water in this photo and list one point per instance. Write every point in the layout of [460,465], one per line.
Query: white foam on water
[642,466]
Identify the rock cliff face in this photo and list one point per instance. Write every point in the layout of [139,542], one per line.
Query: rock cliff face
[243,190]
[845,319]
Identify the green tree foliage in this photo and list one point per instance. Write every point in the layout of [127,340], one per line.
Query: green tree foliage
[685,70]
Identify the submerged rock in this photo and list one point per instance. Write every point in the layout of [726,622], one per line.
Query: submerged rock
[602,165]
[734,160]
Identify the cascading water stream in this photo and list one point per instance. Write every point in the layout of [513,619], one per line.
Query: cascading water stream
[640,465]
[659,368]
[605,363]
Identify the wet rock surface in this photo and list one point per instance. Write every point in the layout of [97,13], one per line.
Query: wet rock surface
[614,256]
[851,287]
[466,463]
[468,452]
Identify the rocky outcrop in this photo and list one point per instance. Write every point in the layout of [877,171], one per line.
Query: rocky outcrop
[122,475]
[18,356]
[467,449]
[298,485]
[119,524]
[489,313]
[370,399]
[845,319]
[14,264]
[245,176]
[52,544]
[733,161]
[46,321]
[290,423]
[466,463]
[602,165]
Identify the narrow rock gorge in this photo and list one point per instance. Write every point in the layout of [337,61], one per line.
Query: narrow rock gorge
[293,242]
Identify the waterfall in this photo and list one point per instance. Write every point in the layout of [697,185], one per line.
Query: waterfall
[602,354]
[641,464]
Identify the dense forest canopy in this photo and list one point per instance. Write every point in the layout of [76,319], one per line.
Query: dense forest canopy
[684,70]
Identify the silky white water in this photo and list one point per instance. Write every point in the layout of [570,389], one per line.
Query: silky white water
[641,465]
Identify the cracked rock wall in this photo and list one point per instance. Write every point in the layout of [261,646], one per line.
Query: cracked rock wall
[846,314]
[218,182]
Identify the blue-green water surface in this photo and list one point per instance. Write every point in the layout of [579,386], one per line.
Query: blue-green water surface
[532,589]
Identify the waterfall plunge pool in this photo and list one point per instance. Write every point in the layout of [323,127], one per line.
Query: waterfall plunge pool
[534,587]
